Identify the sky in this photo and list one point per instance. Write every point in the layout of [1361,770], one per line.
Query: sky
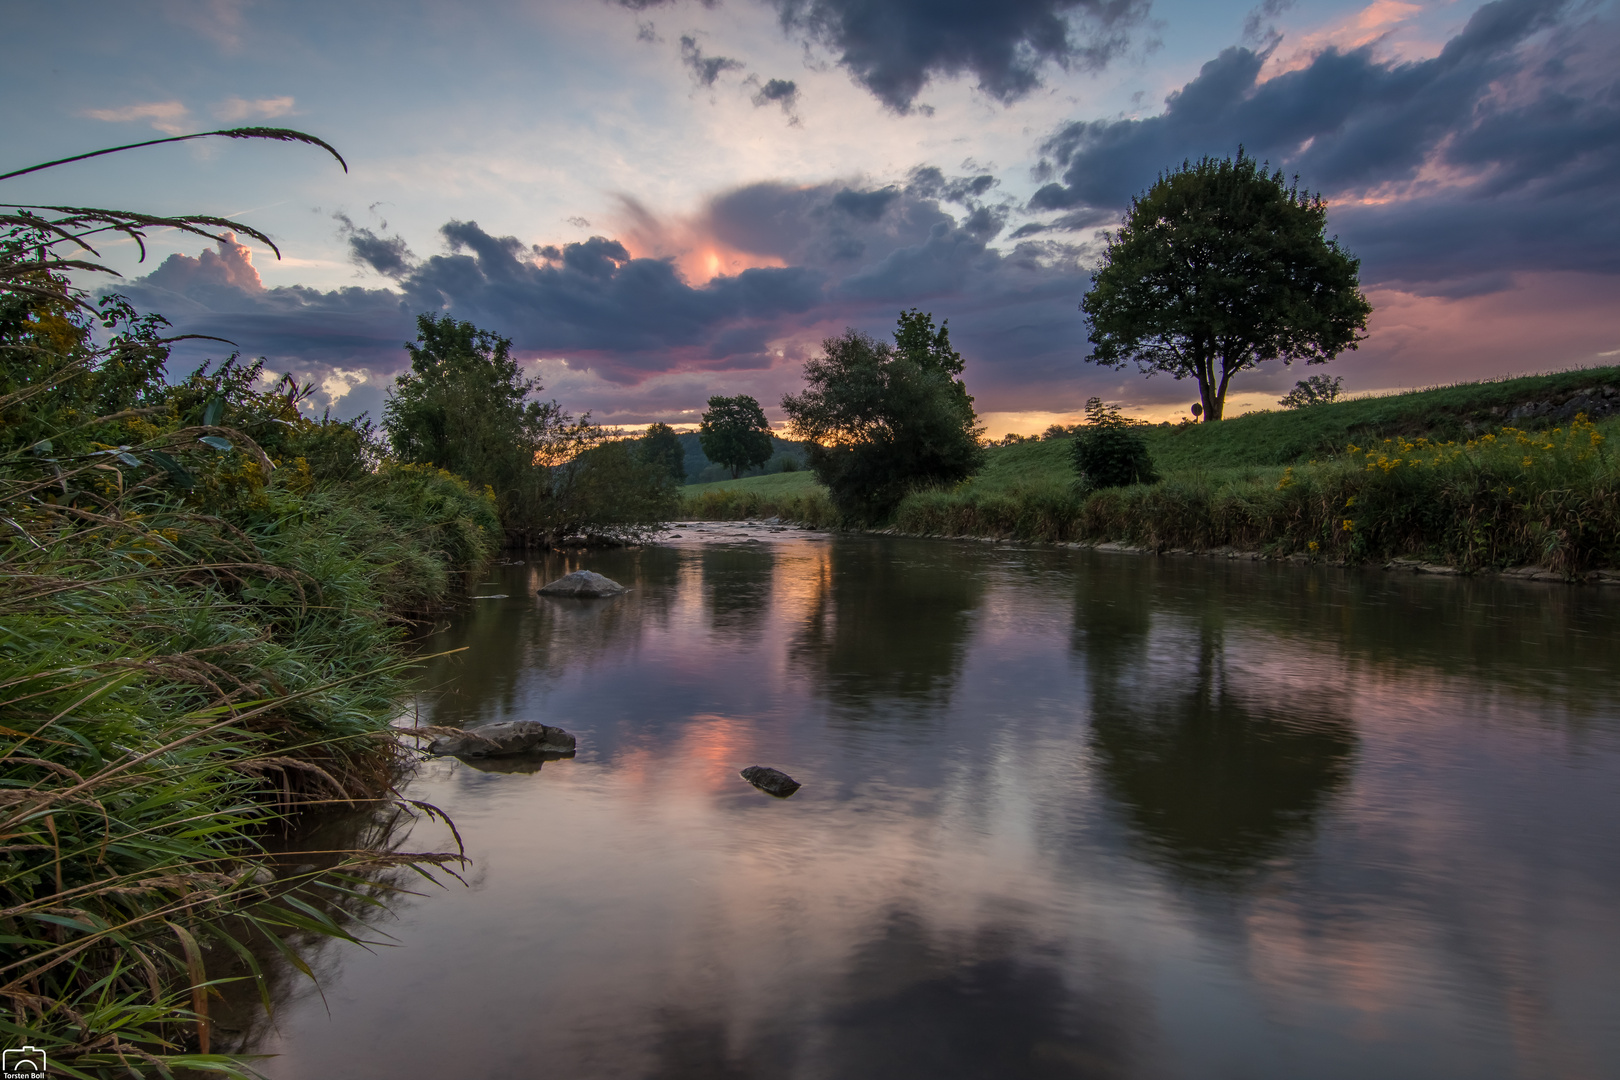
[663,201]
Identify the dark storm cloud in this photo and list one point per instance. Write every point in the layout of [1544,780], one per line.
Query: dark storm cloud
[929,182]
[388,255]
[627,318]
[705,69]
[894,47]
[1523,105]
[1087,217]
[868,206]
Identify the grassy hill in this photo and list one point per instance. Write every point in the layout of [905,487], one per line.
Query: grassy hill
[1476,474]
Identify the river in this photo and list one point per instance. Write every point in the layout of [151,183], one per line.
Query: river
[1065,813]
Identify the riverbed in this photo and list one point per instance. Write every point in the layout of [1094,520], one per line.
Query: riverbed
[1064,814]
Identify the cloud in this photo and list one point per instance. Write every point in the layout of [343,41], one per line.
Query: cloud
[234,108]
[167,116]
[895,47]
[612,319]
[389,256]
[1497,153]
[705,69]
[783,92]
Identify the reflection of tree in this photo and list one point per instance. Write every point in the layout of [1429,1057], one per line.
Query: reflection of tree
[918,1004]
[526,636]
[993,1004]
[890,624]
[737,589]
[1213,778]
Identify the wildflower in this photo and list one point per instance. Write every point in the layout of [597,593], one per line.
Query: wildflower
[1349,525]
[1527,462]
[1314,546]
[1351,501]
[1287,480]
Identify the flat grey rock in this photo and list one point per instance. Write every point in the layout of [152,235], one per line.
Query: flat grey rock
[771,781]
[504,739]
[584,584]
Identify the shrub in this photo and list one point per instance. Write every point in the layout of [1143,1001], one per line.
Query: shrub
[1314,390]
[1108,452]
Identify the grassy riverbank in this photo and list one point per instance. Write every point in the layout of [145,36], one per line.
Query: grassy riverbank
[201,618]
[1439,475]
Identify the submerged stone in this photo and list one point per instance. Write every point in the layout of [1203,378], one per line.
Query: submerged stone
[771,781]
[583,583]
[504,739]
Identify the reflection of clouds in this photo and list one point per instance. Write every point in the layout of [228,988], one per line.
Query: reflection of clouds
[1164,819]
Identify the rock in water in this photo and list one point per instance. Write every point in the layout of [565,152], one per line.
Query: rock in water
[505,739]
[582,583]
[771,781]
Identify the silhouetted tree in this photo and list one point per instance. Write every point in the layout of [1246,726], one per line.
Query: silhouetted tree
[1217,268]
[735,433]
[883,419]
[661,446]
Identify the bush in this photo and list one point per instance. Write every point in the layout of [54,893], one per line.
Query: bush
[1314,390]
[1108,452]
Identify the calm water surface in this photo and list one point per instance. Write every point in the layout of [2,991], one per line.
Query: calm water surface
[1065,814]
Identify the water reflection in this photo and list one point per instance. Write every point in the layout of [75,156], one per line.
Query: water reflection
[888,627]
[1216,776]
[1065,814]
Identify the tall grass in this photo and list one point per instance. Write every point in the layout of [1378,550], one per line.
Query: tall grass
[202,600]
[811,507]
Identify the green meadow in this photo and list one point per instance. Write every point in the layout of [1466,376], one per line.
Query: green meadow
[1474,475]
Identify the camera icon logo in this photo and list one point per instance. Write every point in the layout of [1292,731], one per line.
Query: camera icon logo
[23,1063]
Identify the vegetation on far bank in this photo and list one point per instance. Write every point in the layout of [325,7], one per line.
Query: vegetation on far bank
[1439,474]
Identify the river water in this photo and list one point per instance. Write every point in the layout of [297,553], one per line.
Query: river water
[1065,814]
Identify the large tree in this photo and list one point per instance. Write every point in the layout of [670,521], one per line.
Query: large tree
[735,433]
[883,419]
[1217,268]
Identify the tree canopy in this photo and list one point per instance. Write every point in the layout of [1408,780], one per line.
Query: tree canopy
[883,419]
[661,446]
[735,433]
[466,407]
[1218,268]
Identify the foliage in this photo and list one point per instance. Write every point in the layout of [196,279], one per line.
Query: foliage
[1108,451]
[1313,390]
[201,594]
[611,488]
[662,446]
[885,419]
[735,433]
[1218,268]
[466,407]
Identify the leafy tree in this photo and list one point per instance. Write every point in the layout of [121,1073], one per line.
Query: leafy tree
[1218,268]
[610,488]
[1108,451]
[465,407]
[1314,390]
[735,433]
[662,446]
[883,419]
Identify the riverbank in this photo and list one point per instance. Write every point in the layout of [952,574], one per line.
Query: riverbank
[1468,495]
[202,618]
